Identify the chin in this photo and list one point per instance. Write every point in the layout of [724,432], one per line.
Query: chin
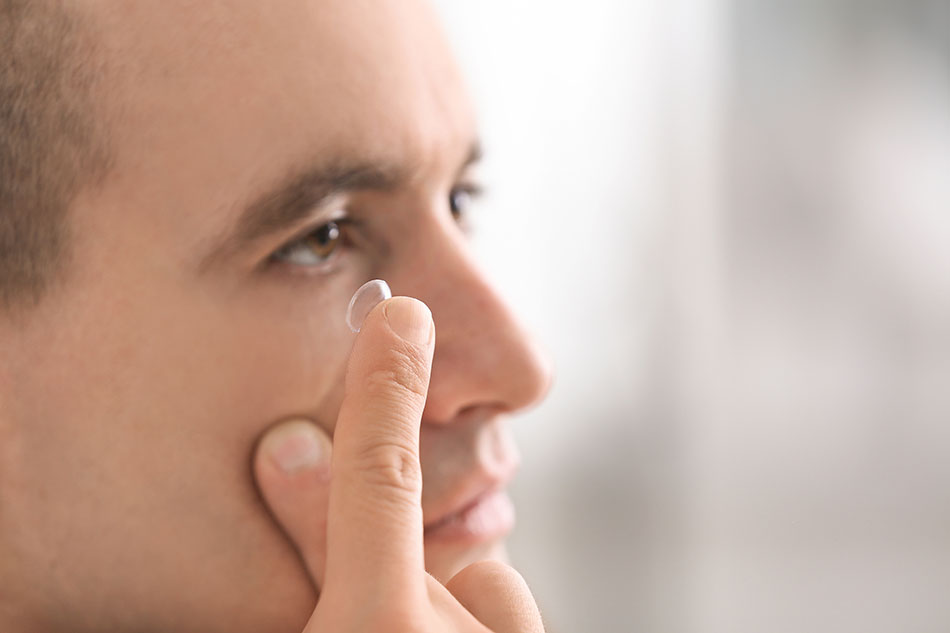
[444,560]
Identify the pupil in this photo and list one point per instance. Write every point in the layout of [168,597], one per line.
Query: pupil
[328,233]
[324,240]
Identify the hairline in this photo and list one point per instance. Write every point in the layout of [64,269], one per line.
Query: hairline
[59,142]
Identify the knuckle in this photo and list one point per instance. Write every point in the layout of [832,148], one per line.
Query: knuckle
[392,465]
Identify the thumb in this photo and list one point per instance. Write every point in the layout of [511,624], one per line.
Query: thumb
[498,597]
[292,468]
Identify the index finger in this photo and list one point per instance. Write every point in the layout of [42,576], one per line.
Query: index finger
[374,521]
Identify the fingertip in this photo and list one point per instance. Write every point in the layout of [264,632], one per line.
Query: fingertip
[391,361]
[292,472]
[375,521]
[410,319]
[498,596]
[294,446]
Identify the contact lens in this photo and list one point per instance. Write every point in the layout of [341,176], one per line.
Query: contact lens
[364,300]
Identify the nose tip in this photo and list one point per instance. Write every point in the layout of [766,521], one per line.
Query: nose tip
[535,378]
[484,358]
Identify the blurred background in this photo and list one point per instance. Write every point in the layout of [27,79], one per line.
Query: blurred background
[729,222]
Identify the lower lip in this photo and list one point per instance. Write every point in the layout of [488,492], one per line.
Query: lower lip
[491,517]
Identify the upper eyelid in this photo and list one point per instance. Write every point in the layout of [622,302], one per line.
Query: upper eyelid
[342,216]
[274,260]
[338,214]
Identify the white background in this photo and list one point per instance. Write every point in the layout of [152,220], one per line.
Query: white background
[729,222]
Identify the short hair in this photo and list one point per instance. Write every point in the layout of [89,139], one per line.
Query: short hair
[51,143]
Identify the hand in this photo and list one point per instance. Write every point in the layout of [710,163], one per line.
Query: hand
[358,523]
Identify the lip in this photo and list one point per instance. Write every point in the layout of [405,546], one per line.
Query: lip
[489,516]
[479,510]
[474,508]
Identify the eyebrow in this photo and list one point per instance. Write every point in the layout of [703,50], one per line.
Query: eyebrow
[295,198]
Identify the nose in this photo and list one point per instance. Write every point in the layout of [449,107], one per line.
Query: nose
[484,358]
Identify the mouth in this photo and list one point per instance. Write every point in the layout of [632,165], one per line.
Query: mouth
[488,516]
[475,509]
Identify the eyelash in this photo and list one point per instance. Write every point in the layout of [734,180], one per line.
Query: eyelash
[339,228]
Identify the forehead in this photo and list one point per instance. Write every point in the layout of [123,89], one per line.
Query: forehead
[209,93]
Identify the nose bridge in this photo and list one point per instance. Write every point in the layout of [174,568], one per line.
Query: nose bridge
[483,356]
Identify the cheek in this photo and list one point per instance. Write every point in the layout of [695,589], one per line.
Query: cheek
[272,369]
[262,361]
[187,386]
[150,436]
[247,368]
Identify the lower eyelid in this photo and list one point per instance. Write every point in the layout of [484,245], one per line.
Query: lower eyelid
[323,269]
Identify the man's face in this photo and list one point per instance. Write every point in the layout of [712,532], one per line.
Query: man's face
[205,301]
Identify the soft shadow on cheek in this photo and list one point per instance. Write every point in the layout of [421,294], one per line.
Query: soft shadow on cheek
[295,360]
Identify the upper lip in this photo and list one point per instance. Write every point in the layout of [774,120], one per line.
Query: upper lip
[470,491]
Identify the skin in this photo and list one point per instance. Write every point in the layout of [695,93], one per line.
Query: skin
[133,398]
[374,548]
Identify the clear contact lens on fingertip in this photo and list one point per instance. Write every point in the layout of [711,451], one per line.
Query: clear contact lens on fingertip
[364,300]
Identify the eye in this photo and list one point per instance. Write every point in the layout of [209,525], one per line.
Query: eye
[315,248]
[461,198]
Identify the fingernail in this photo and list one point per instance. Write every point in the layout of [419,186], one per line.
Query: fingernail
[410,319]
[295,446]
[364,300]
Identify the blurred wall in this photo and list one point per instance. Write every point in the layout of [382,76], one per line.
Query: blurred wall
[730,224]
